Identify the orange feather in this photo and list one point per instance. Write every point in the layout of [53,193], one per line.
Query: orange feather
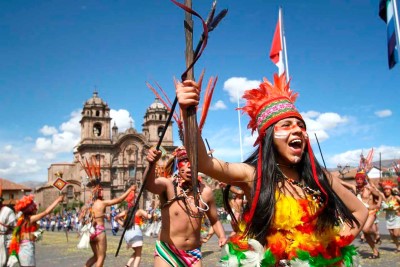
[88,169]
[207,101]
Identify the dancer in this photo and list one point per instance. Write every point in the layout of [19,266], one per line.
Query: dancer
[7,223]
[154,226]
[391,206]
[179,242]
[295,207]
[22,246]
[133,236]
[372,200]
[98,240]
[114,223]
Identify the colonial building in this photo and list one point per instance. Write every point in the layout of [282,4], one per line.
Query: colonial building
[121,154]
[11,191]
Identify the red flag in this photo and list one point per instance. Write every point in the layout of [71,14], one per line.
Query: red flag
[275,53]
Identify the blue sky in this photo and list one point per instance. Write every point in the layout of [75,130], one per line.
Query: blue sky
[54,54]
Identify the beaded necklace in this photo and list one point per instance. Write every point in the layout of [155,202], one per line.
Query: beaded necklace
[315,194]
[185,188]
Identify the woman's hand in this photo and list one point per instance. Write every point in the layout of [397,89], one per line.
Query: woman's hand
[187,93]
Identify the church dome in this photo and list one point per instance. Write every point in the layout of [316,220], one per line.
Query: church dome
[95,100]
[157,105]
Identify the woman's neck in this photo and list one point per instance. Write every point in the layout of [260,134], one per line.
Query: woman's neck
[288,171]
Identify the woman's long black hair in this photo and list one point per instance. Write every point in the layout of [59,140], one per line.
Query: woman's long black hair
[271,176]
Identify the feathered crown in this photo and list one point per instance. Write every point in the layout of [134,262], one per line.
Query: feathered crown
[388,184]
[171,166]
[181,154]
[92,169]
[24,203]
[269,103]
[360,174]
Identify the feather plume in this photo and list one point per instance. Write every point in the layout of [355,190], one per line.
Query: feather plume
[163,97]
[93,166]
[98,166]
[87,169]
[207,100]
[200,82]
[166,102]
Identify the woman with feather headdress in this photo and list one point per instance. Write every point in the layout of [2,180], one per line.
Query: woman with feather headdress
[298,215]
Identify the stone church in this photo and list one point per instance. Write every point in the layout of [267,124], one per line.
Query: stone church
[122,155]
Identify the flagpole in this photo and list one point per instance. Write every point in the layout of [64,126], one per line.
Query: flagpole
[396,28]
[283,38]
[240,127]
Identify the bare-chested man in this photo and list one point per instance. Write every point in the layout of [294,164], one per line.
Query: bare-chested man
[372,200]
[179,240]
[98,241]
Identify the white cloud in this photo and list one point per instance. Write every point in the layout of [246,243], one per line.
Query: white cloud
[68,136]
[31,161]
[225,142]
[17,166]
[320,123]
[236,86]
[8,148]
[249,140]
[383,113]
[48,130]
[72,125]
[122,119]
[62,141]
[218,105]
[311,114]
[352,157]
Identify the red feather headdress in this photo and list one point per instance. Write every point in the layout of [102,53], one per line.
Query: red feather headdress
[387,184]
[269,104]
[25,203]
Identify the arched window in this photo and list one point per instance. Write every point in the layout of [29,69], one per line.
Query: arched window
[132,171]
[97,113]
[70,191]
[160,130]
[160,117]
[97,130]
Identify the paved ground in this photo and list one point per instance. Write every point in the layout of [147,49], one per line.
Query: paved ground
[53,250]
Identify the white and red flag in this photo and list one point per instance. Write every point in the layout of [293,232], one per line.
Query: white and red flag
[276,52]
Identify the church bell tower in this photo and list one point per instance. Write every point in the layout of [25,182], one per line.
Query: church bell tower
[95,122]
[154,121]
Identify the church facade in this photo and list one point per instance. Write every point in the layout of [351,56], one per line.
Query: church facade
[122,155]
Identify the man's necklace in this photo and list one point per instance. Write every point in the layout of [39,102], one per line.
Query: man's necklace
[185,188]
